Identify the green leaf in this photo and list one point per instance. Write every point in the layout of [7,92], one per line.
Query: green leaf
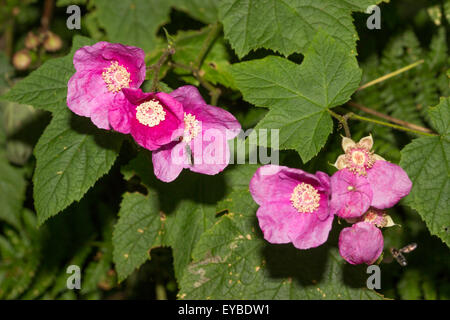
[233,261]
[133,22]
[12,191]
[71,155]
[20,256]
[66,3]
[186,213]
[409,285]
[298,96]
[215,67]
[206,11]
[136,232]
[427,162]
[12,182]
[288,26]
[46,87]
[408,95]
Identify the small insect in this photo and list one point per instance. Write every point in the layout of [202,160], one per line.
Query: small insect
[398,253]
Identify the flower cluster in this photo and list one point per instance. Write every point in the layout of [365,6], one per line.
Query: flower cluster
[180,127]
[299,207]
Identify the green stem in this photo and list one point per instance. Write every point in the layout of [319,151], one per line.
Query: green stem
[387,124]
[390,75]
[343,121]
[160,290]
[388,118]
[207,44]
[213,91]
[9,37]
[157,67]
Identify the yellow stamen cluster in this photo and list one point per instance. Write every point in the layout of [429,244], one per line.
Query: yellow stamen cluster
[305,198]
[150,113]
[191,127]
[116,77]
[358,159]
[376,217]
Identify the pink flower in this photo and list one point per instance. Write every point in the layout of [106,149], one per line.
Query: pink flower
[151,118]
[361,243]
[293,205]
[388,182]
[351,195]
[202,146]
[102,71]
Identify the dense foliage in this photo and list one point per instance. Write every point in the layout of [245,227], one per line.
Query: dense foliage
[74,194]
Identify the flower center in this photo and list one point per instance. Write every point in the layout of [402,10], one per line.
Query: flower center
[358,159]
[191,127]
[376,217]
[150,113]
[305,198]
[116,77]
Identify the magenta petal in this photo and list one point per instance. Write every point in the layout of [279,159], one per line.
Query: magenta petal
[307,230]
[210,152]
[272,183]
[168,130]
[209,149]
[351,194]
[188,95]
[120,116]
[89,58]
[215,118]
[281,223]
[87,93]
[212,117]
[168,161]
[272,187]
[324,179]
[389,184]
[361,243]
[87,96]
[275,221]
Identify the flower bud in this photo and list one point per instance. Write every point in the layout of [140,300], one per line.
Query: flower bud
[52,42]
[32,41]
[22,59]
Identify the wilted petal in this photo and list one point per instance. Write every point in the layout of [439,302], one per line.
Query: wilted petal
[366,142]
[347,143]
[340,162]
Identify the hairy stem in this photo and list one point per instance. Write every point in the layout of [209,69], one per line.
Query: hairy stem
[207,44]
[387,124]
[343,121]
[389,118]
[390,75]
[213,91]
[47,14]
[157,66]
[9,37]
